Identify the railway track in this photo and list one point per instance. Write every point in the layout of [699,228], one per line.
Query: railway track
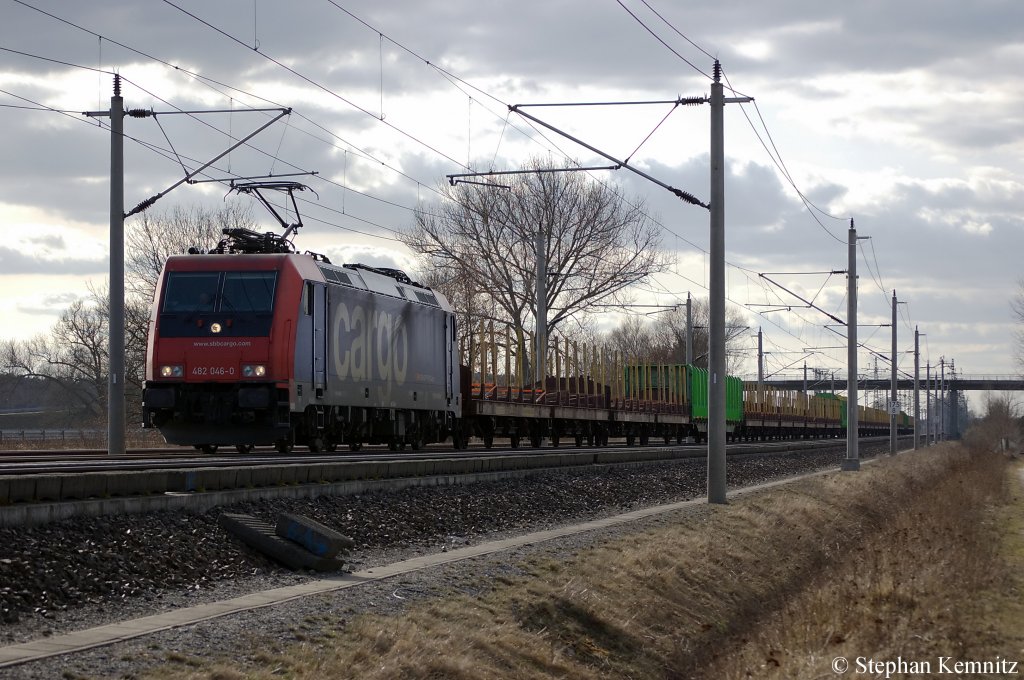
[56,461]
[37,491]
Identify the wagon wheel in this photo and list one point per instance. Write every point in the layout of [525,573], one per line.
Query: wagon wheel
[243,448]
[283,446]
[209,449]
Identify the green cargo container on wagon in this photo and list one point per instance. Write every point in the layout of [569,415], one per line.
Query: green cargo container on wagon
[689,384]
[733,399]
[842,406]
[699,392]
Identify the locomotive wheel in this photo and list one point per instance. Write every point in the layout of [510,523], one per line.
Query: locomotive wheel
[535,440]
[355,446]
[554,441]
[630,440]
[579,440]
[283,446]
[315,445]
[668,439]
[392,446]
[514,441]
[488,441]
[417,443]
[644,440]
[243,448]
[209,449]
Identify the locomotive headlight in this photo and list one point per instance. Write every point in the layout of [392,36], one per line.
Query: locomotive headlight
[172,371]
[215,328]
[254,371]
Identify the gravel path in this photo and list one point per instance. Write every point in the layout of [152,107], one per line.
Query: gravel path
[87,572]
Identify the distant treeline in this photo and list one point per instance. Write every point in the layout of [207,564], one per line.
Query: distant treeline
[37,402]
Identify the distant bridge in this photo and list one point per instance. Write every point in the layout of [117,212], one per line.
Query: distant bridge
[962,383]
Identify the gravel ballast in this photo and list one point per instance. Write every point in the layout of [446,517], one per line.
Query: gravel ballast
[87,572]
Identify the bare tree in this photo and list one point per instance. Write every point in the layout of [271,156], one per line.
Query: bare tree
[633,339]
[74,356]
[662,339]
[597,243]
[153,237]
[1000,425]
[136,332]
[1017,306]
[670,335]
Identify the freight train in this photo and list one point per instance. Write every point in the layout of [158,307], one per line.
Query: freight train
[255,344]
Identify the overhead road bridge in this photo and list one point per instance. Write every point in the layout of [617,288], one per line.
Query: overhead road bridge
[962,382]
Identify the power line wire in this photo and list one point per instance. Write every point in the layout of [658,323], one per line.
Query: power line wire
[317,85]
[211,83]
[776,157]
[658,38]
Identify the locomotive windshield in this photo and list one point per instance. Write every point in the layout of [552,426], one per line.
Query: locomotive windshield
[248,291]
[231,292]
[190,292]
[193,301]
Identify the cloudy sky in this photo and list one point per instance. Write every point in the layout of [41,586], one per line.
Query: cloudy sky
[906,116]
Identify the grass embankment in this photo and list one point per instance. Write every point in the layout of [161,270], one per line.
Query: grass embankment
[908,558]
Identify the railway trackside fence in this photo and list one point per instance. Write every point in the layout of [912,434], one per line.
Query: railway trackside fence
[48,434]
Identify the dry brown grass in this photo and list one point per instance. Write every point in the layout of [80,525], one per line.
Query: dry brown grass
[932,580]
[883,562]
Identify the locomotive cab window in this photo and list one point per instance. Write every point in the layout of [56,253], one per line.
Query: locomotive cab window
[191,292]
[248,292]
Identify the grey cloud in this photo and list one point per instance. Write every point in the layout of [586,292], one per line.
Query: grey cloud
[18,262]
[53,241]
[51,305]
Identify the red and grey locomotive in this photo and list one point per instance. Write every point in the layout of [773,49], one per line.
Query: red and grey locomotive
[253,344]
